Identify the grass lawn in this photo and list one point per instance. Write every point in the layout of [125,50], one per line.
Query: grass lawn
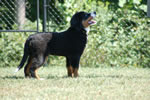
[93,84]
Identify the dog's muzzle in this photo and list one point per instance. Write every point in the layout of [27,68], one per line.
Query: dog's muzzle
[93,15]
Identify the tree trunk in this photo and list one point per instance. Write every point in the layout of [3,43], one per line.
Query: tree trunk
[20,7]
[148,8]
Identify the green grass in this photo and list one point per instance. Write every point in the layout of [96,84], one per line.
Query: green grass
[93,84]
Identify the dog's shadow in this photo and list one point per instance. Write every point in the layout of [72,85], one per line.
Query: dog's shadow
[22,77]
[115,76]
[13,77]
[56,77]
[86,76]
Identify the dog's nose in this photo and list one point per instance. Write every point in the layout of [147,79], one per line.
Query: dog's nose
[93,14]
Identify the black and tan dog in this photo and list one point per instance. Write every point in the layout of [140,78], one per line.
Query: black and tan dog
[69,43]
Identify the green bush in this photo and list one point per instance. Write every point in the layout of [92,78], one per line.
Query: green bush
[11,46]
[119,39]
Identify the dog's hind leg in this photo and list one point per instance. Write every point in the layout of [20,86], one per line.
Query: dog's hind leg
[37,62]
[27,68]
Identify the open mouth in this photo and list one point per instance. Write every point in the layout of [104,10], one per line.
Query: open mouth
[91,21]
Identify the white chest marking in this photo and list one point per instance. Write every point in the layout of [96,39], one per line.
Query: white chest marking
[87,30]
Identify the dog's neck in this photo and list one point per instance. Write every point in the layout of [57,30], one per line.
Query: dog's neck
[87,30]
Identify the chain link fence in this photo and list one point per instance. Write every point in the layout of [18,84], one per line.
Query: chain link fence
[16,15]
[54,15]
[24,15]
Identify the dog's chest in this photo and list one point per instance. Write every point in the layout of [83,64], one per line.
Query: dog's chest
[87,30]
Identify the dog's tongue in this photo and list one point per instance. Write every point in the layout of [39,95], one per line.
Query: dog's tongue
[92,22]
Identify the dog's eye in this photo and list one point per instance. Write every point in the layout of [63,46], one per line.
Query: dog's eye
[86,16]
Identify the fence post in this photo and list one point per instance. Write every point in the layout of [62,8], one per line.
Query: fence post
[44,15]
[148,8]
[21,6]
[37,15]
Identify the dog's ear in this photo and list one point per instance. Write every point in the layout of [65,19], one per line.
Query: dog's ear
[75,20]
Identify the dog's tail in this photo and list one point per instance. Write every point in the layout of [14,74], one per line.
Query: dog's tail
[25,56]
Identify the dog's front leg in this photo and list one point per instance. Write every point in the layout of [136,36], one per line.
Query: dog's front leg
[75,64]
[69,67]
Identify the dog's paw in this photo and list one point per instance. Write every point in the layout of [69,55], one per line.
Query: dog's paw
[41,79]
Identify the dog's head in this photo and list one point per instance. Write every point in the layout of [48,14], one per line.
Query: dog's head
[82,20]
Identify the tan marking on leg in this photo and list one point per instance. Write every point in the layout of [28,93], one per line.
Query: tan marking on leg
[75,72]
[36,75]
[70,71]
[28,68]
